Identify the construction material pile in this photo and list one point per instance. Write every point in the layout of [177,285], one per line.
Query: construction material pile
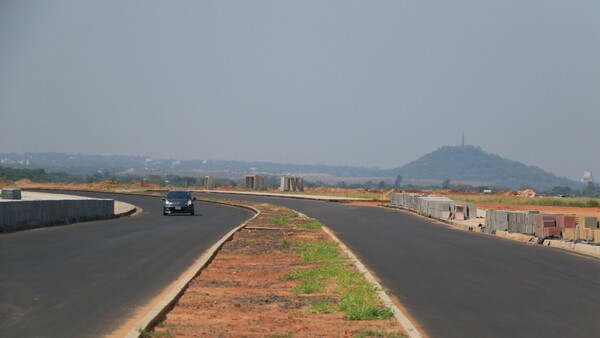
[434,206]
[543,225]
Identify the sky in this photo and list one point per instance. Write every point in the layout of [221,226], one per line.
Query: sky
[361,83]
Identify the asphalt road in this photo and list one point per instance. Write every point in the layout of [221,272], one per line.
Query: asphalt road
[84,280]
[464,284]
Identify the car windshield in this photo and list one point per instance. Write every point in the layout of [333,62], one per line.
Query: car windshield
[178,195]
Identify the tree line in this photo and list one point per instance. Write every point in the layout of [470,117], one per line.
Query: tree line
[40,175]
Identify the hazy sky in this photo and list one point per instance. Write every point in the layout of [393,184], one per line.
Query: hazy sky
[371,83]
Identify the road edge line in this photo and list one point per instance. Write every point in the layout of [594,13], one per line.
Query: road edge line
[176,289]
[408,326]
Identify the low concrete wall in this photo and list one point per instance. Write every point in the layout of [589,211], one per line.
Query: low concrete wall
[19,215]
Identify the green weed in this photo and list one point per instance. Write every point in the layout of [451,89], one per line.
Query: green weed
[153,334]
[313,224]
[318,252]
[359,300]
[310,286]
[280,221]
[321,306]
[377,334]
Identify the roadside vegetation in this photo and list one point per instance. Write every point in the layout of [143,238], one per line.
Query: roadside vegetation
[358,299]
[581,202]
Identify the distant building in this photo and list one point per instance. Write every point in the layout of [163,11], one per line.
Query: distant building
[209,183]
[291,183]
[587,177]
[256,182]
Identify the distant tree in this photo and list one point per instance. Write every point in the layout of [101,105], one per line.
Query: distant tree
[446,184]
[591,190]
[559,191]
[381,185]
[369,185]
[157,179]
[341,184]
[272,182]
[190,181]
[398,182]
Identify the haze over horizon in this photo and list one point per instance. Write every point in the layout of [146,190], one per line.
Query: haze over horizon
[375,84]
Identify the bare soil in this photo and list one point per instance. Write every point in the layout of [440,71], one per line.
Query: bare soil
[543,209]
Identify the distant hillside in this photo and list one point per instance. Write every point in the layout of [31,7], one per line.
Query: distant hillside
[457,163]
[471,163]
[81,164]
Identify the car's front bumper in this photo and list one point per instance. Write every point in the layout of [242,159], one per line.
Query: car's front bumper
[178,209]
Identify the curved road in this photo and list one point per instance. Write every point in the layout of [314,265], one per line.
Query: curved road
[84,280]
[464,284]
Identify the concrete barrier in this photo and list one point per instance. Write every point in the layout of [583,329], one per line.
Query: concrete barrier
[28,214]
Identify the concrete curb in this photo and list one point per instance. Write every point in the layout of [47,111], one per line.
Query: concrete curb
[128,209]
[516,237]
[408,326]
[173,292]
[586,249]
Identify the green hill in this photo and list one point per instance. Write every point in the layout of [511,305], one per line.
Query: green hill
[471,163]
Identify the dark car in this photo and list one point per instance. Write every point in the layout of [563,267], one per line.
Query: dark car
[178,201]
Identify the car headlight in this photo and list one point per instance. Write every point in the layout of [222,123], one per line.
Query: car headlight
[189,203]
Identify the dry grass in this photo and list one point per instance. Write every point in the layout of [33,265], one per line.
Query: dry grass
[580,202]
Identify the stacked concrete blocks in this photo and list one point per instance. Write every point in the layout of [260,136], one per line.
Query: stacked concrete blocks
[543,225]
[433,206]
[495,220]
[256,182]
[587,222]
[546,226]
[438,207]
[291,183]
[586,230]
[522,222]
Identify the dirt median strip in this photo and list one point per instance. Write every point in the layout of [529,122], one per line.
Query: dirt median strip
[280,276]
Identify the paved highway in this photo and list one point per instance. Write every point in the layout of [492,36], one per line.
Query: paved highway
[83,280]
[461,284]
